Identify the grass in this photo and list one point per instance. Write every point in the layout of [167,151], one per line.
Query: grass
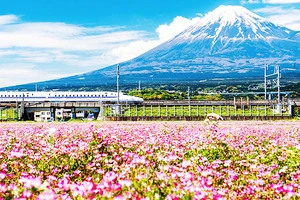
[197,111]
[9,114]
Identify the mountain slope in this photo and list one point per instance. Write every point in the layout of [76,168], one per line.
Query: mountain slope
[227,29]
[228,42]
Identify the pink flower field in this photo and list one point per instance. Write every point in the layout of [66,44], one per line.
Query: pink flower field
[143,160]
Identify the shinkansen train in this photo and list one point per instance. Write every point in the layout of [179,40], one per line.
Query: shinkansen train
[68,97]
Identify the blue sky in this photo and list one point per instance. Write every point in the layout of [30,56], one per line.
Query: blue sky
[47,39]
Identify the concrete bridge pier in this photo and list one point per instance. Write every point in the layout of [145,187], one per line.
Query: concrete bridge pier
[52,113]
[73,111]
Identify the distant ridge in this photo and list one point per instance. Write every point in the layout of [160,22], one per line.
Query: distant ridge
[228,42]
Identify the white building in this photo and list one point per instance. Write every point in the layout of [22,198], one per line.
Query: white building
[42,116]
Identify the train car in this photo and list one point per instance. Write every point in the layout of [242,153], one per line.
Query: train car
[56,96]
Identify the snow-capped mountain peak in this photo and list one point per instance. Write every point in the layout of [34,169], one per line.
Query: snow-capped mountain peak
[233,23]
[229,15]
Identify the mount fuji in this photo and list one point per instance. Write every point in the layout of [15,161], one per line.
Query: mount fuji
[228,42]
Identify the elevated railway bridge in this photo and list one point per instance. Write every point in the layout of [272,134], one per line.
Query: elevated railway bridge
[239,109]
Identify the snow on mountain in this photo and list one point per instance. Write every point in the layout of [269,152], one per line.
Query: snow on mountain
[295,36]
[235,22]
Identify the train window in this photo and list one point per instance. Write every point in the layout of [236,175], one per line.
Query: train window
[1,95]
[8,95]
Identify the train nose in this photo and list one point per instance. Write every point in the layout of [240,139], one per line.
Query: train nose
[138,99]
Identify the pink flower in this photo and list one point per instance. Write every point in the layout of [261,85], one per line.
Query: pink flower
[3,188]
[16,154]
[227,163]
[200,196]
[289,195]
[127,183]
[64,184]
[31,182]
[172,197]
[110,177]
[186,163]
[26,194]
[47,195]
[2,175]
[120,197]
[288,188]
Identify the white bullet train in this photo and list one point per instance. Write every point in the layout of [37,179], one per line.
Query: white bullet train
[52,96]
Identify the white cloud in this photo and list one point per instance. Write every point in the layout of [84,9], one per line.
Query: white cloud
[63,36]
[68,49]
[249,1]
[270,1]
[167,31]
[280,1]
[8,19]
[20,73]
[288,17]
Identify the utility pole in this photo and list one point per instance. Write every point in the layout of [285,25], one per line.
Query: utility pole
[22,108]
[277,73]
[278,81]
[118,79]
[117,109]
[278,85]
[139,86]
[265,78]
[188,95]
[189,101]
